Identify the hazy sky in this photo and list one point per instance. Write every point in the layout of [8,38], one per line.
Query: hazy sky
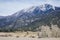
[8,7]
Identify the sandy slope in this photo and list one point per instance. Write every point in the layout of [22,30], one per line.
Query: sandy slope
[22,36]
[13,38]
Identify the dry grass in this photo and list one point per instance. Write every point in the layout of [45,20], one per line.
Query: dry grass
[45,32]
[23,38]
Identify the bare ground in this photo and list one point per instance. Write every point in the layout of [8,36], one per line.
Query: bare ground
[13,38]
[22,36]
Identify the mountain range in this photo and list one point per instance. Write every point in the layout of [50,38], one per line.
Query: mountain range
[31,18]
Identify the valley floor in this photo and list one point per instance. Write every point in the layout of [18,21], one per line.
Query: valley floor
[26,35]
[19,34]
[13,38]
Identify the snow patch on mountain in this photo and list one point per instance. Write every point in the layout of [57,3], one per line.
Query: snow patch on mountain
[44,7]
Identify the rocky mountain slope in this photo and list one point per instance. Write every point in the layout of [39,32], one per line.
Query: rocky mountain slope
[31,18]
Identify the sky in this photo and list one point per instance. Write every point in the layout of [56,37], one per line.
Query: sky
[9,7]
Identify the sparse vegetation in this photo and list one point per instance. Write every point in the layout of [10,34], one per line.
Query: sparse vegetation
[43,32]
[47,32]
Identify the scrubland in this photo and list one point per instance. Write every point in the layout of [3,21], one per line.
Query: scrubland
[46,32]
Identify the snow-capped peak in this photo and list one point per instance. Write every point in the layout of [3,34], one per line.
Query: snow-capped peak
[30,9]
[48,6]
[44,7]
[37,9]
